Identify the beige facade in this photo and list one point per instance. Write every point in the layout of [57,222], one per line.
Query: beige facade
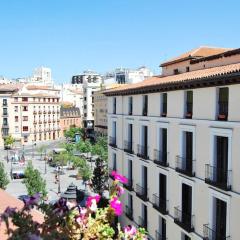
[29,113]
[181,162]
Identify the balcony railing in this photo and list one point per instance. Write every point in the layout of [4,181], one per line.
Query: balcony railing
[49,112]
[185,166]
[218,177]
[40,112]
[34,112]
[142,222]
[128,147]
[141,192]
[129,212]
[160,158]
[164,110]
[6,126]
[188,113]
[210,234]
[129,184]
[160,204]
[145,111]
[142,152]
[110,172]
[159,236]
[184,220]
[223,111]
[113,142]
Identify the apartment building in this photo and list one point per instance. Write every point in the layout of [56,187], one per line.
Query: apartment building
[69,117]
[29,113]
[100,110]
[176,138]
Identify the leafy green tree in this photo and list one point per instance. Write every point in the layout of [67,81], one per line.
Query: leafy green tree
[100,176]
[62,158]
[84,146]
[85,172]
[3,177]
[100,148]
[72,131]
[34,181]
[9,140]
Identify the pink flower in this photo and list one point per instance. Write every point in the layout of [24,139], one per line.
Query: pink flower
[92,202]
[116,205]
[120,191]
[130,231]
[118,177]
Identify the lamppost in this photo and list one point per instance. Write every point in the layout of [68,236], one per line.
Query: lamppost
[23,152]
[59,185]
[7,156]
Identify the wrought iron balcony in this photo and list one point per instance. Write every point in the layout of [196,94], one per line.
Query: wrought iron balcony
[188,113]
[129,184]
[130,112]
[160,204]
[129,212]
[113,142]
[34,112]
[110,170]
[210,234]
[6,126]
[5,114]
[40,111]
[185,166]
[159,236]
[223,111]
[141,192]
[184,220]
[128,146]
[145,111]
[142,222]
[142,151]
[49,112]
[218,177]
[160,158]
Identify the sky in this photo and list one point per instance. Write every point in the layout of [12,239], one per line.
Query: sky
[70,36]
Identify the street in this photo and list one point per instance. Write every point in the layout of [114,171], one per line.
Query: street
[17,188]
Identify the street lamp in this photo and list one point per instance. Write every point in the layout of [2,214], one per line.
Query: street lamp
[59,186]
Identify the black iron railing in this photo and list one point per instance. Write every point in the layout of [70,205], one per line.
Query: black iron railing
[185,166]
[183,219]
[189,109]
[145,111]
[142,222]
[141,192]
[128,146]
[164,109]
[160,204]
[222,111]
[129,184]
[113,141]
[219,177]
[142,151]
[210,234]
[160,236]
[160,158]
[129,212]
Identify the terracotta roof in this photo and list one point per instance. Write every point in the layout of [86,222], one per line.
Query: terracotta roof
[9,201]
[10,87]
[196,53]
[36,87]
[180,78]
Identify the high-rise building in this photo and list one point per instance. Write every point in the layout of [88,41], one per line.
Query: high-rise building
[176,138]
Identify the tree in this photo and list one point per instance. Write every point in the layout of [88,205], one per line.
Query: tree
[85,172]
[3,177]
[84,147]
[34,182]
[100,176]
[9,140]
[100,148]
[72,131]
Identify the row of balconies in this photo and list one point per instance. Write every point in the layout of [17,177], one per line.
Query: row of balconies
[45,112]
[181,218]
[46,121]
[47,130]
[218,177]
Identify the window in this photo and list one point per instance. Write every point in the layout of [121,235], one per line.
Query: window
[130,105]
[161,232]
[114,105]
[25,138]
[5,111]
[15,108]
[16,118]
[187,69]
[164,105]
[15,99]
[189,104]
[16,129]
[25,108]
[175,71]
[25,118]
[143,146]
[85,106]
[223,104]
[5,121]
[24,99]
[4,102]
[145,105]
[25,128]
